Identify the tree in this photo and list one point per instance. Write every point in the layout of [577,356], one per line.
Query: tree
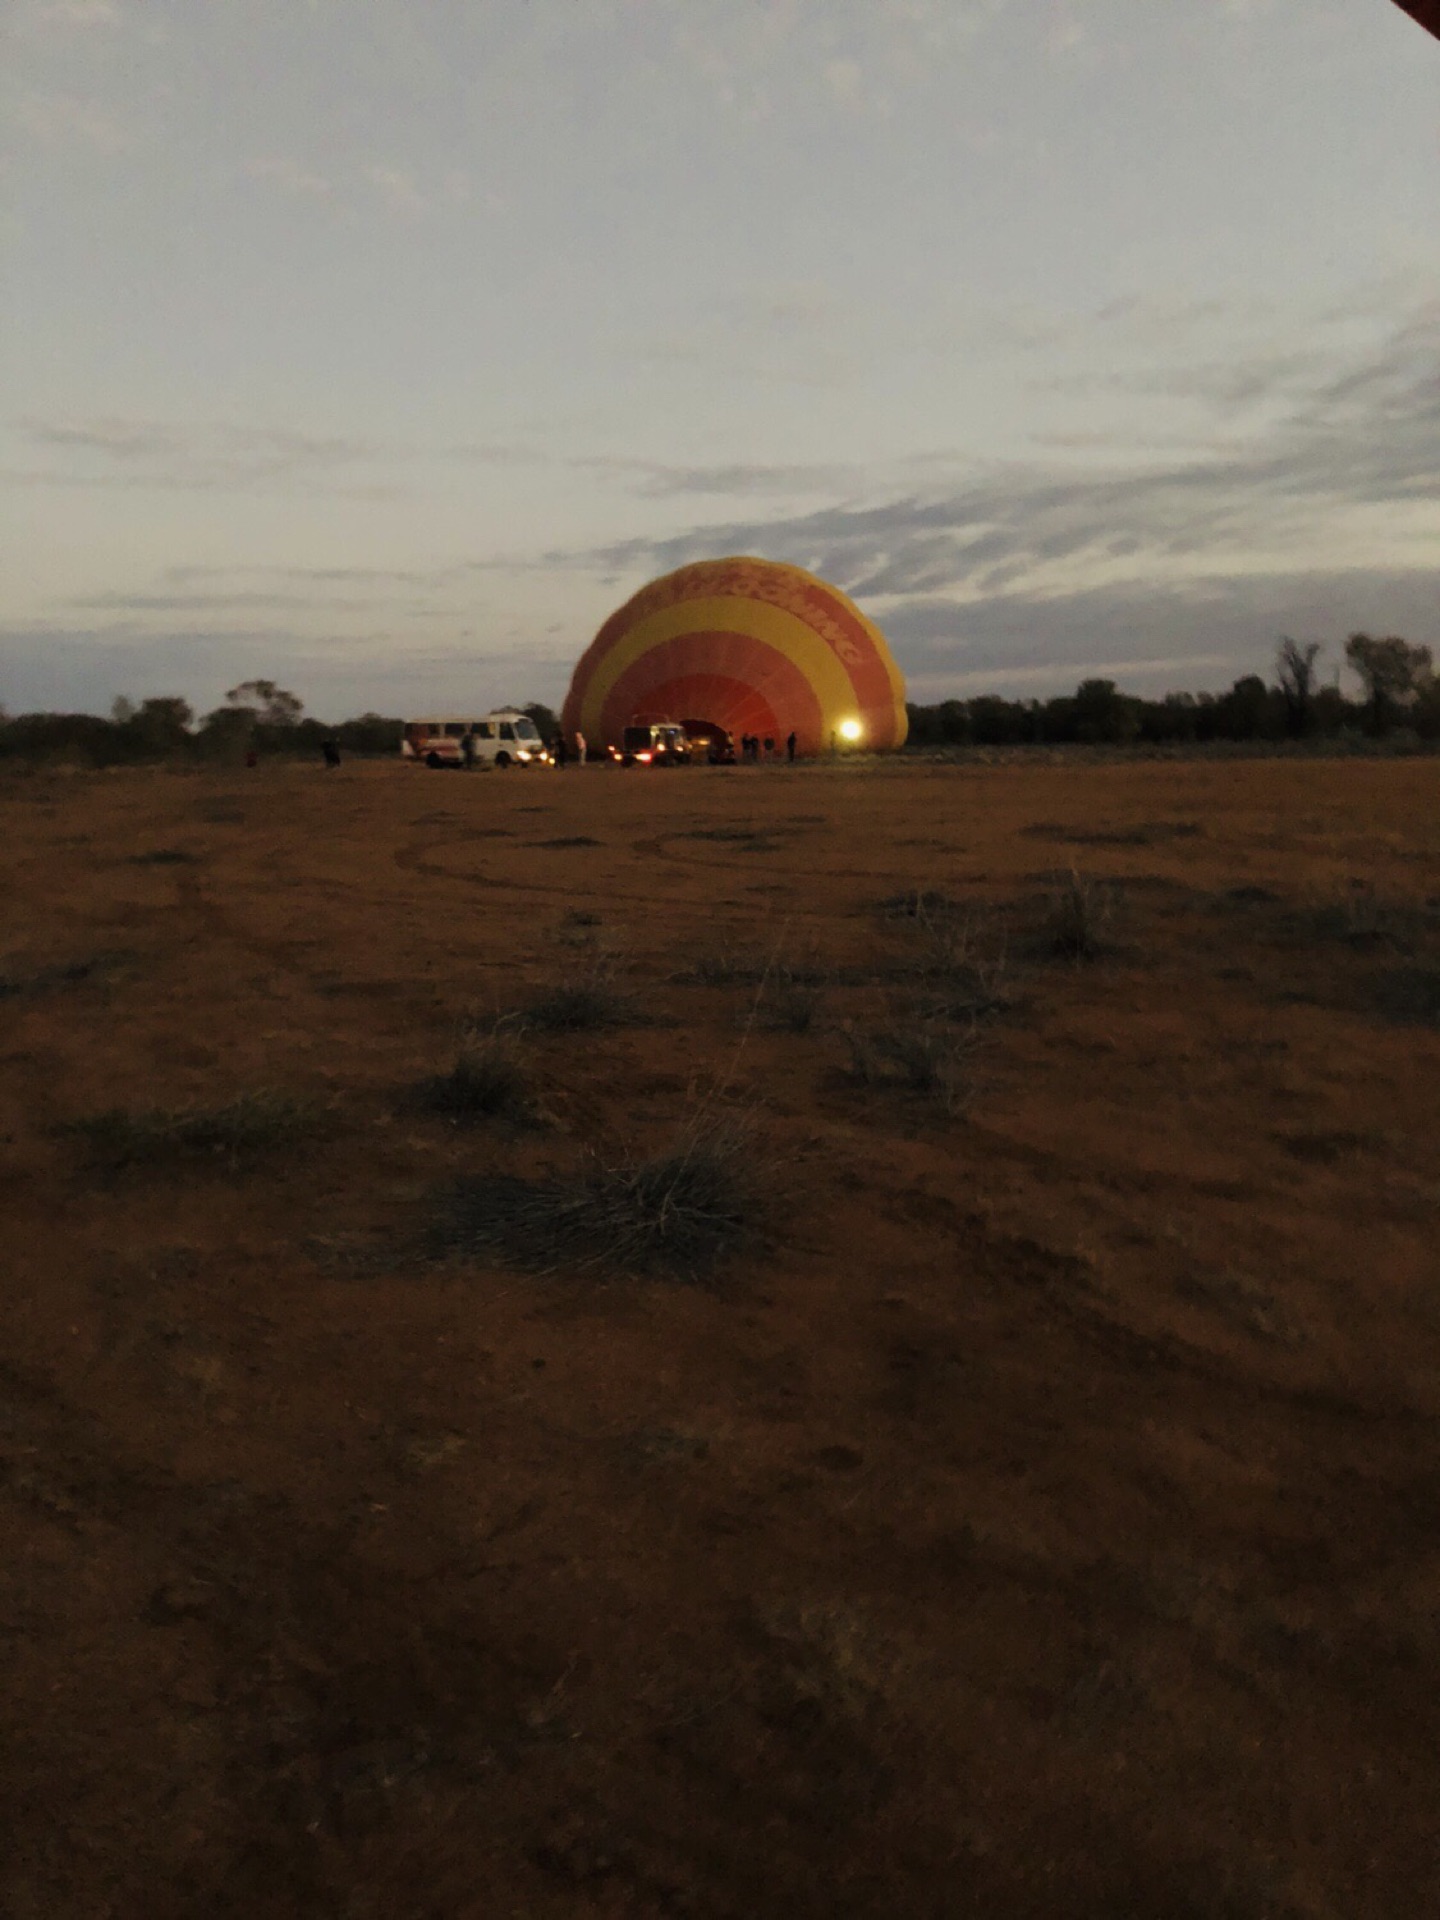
[547,721]
[165,717]
[269,705]
[228,731]
[1392,671]
[122,710]
[1103,713]
[1295,673]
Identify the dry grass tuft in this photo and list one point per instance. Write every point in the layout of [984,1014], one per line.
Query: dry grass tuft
[969,983]
[1410,996]
[585,1004]
[488,1082]
[66,973]
[789,1000]
[918,903]
[929,1059]
[1077,919]
[726,966]
[681,1213]
[254,1123]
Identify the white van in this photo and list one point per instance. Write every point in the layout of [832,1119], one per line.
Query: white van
[504,738]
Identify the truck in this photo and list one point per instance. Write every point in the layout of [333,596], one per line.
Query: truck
[505,738]
[662,743]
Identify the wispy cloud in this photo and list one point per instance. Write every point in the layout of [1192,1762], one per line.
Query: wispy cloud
[400,191]
[1368,436]
[160,454]
[396,190]
[65,120]
[49,16]
[290,177]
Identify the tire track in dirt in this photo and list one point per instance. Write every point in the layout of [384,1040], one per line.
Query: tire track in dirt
[417,857]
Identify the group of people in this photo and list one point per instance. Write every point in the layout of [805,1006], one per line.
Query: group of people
[752,747]
[563,751]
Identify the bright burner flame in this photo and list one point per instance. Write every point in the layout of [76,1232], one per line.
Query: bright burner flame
[850,729]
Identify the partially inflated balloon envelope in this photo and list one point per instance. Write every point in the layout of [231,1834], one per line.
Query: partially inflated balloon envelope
[748,645]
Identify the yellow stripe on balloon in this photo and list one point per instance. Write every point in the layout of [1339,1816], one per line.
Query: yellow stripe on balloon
[887,660]
[756,620]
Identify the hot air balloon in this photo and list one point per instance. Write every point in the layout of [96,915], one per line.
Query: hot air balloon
[747,646]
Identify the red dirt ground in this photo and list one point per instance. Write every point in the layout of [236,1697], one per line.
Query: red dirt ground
[1047,1526]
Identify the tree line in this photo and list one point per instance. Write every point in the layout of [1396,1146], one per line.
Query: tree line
[257,717]
[1399,691]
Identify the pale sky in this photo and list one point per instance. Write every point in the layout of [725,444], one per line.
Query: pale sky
[382,347]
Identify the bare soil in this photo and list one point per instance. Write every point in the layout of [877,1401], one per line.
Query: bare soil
[1044,1521]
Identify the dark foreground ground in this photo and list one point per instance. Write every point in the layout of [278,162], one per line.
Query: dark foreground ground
[1046,1524]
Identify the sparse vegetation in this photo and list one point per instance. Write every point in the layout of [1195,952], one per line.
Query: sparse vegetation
[1363,919]
[1149,833]
[789,999]
[584,1004]
[254,1123]
[1410,996]
[918,903]
[1242,1302]
[680,1213]
[929,1059]
[386,1486]
[968,983]
[725,965]
[162,857]
[17,980]
[1076,919]
[488,1082]
[752,839]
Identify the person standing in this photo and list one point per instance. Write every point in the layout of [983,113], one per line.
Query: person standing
[790,745]
[579,747]
[331,750]
[467,748]
[561,750]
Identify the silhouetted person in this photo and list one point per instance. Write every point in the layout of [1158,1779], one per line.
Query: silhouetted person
[769,746]
[790,745]
[331,751]
[561,750]
[467,748]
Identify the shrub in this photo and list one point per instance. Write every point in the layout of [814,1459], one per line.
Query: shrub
[584,1004]
[918,903]
[926,1058]
[726,966]
[253,1123]
[162,857]
[681,1213]
[1076,918]
[971,985]
[65,973]
[1410,996]
[789,1000]
[487,1082]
